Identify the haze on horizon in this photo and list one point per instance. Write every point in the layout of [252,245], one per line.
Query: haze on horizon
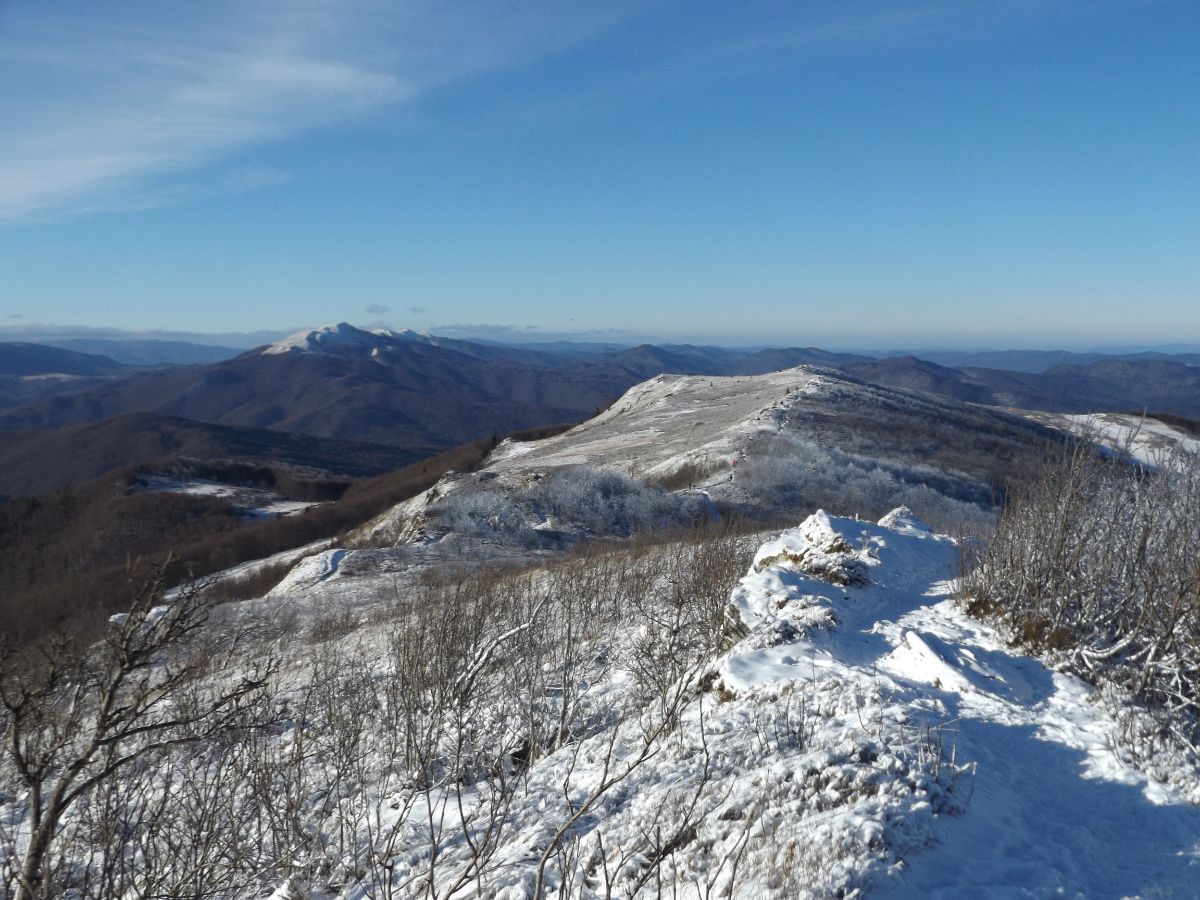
[937,173]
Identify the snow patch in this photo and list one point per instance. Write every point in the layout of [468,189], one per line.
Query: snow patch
[331,338]
[252,501]
[310,572]
[1146,440]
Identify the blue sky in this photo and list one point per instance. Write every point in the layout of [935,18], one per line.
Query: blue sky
[940,172]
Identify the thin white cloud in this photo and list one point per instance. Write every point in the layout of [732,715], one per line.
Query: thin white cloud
[535,334]
[132,102]
[101,101]
[34,331]
[118,106]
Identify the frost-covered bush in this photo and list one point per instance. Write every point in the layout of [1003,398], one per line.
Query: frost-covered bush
[1097,562]
[479,512]
[784,474]
[577,500]
[606,501]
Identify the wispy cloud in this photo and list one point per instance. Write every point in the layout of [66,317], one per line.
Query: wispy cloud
[378,309]
[534,334]
[103,103]
[118,106]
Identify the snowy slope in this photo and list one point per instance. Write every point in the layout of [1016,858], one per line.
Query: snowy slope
[861,736]
[1145,439]
[656,428]
[663,423]
[751,440]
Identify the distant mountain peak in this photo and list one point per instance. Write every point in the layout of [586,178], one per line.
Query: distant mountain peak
[343,336]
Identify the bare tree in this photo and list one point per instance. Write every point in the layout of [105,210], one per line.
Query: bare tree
[76,717]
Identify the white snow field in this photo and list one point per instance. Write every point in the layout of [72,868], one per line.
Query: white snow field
[253,502]
[1144,438]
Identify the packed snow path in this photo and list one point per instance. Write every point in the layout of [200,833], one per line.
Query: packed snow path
[1052,812]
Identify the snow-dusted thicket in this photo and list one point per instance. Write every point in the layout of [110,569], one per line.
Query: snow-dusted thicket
[591,727]
[579,500]
[1097,563]
[780,476]
[787,472]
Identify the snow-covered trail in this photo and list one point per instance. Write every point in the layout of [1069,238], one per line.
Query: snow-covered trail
[1052,811]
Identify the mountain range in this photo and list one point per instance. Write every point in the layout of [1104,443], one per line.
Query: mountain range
[418,394]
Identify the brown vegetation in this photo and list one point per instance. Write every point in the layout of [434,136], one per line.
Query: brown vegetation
[64,556]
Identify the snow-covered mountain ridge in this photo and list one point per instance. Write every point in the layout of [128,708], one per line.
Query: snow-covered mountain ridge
[913,750]
[765,444]
[524,683]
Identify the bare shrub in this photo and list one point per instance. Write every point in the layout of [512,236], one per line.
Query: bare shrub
[687,475]
[1097,562]
[85,726]
[247,587]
